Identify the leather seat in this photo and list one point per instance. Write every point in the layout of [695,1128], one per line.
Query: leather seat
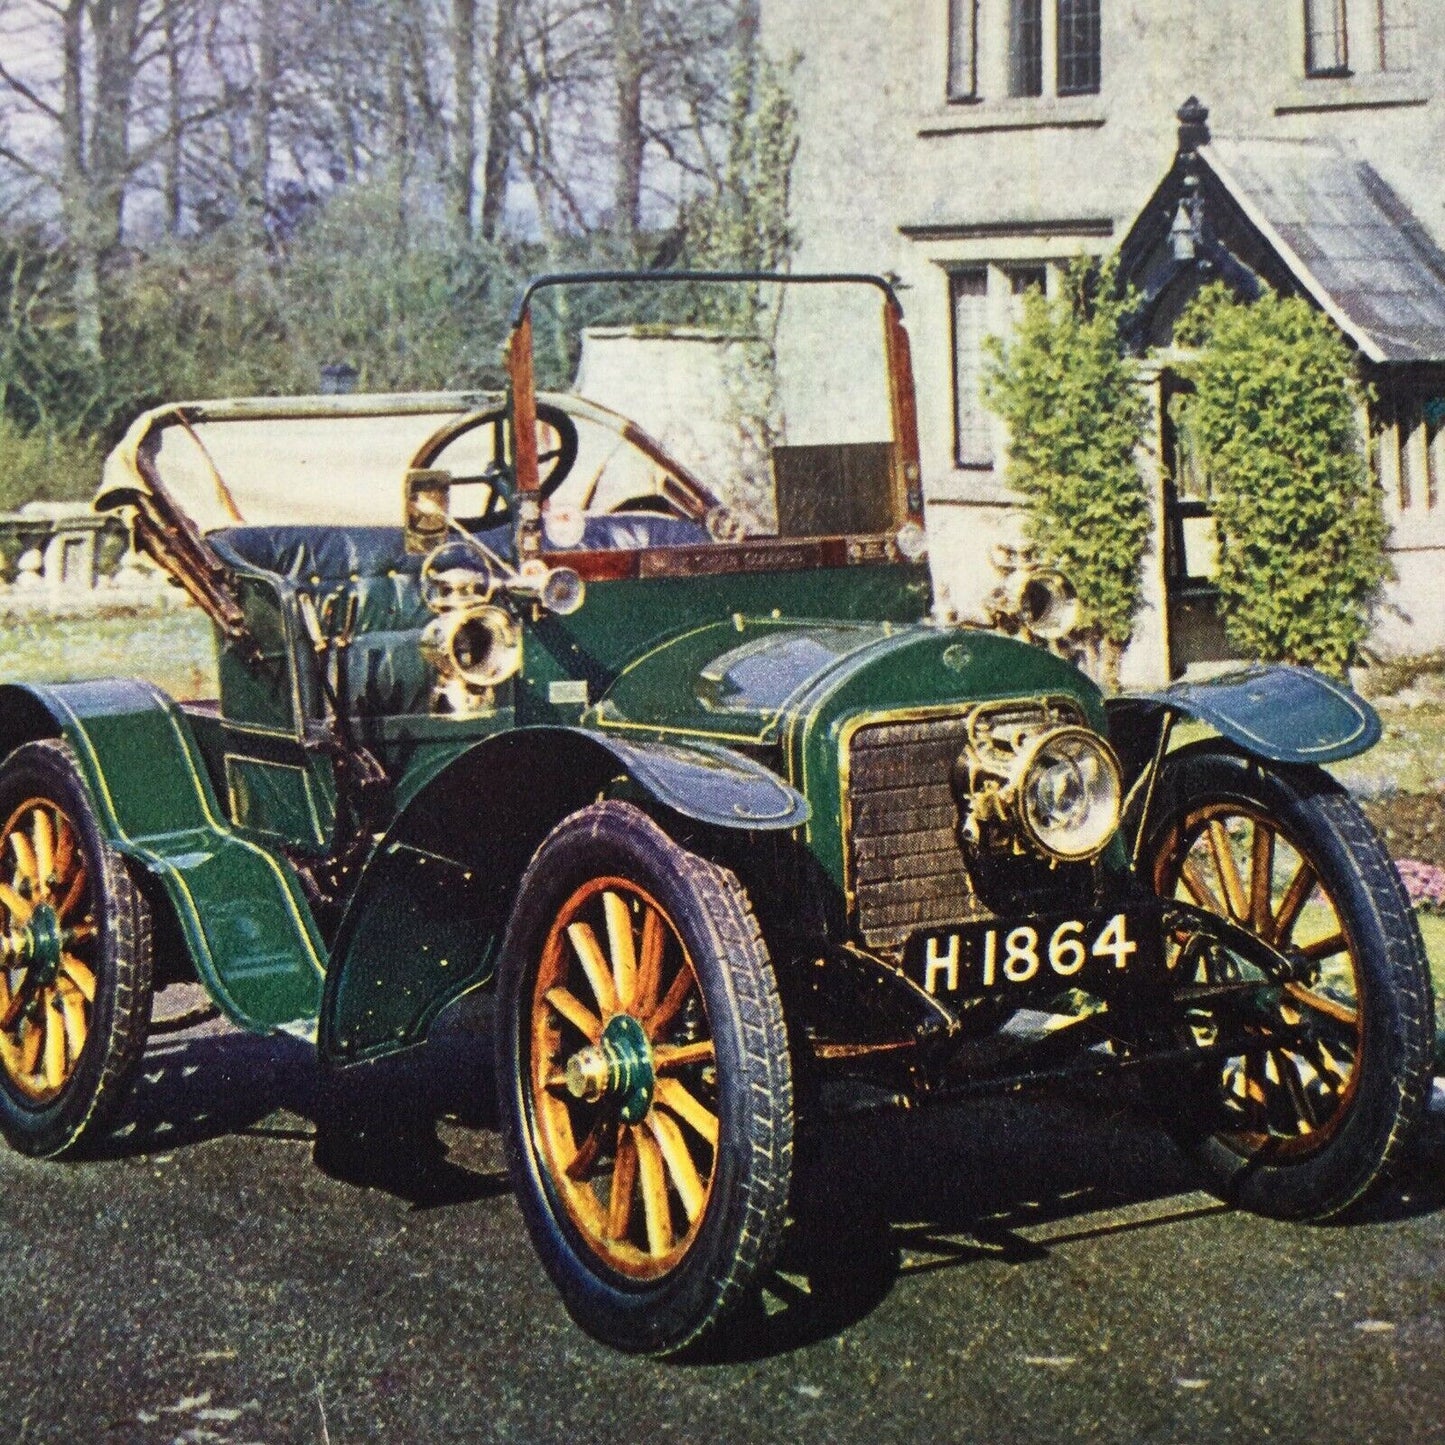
[385,671]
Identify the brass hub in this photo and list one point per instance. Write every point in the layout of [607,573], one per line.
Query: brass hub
[620,1066]
[44,943]
[37,948]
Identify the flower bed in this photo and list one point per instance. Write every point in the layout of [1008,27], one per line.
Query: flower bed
[1425,883]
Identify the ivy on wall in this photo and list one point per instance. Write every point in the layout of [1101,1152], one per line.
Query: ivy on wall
[1075,415]
[1274,422]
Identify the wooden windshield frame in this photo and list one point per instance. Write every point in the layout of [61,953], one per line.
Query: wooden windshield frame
[751,554]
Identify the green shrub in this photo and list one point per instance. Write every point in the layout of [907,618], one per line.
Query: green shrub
[1275,422]
[1075,414]
[204,318]
[219,318]
[38,464]
[46,381]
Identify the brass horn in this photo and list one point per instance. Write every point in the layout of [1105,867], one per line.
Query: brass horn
[1045,603]
[1038,601]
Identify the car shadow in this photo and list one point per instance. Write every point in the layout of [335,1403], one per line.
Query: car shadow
[376,1126]
[881,1197]
[877,1197]
[1008,1180]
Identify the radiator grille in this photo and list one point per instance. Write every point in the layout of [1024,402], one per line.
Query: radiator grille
[907,870]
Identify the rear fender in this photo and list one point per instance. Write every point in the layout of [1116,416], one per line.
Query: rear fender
[245,923]
[427,917]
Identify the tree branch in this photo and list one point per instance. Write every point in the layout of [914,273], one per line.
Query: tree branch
[22,89]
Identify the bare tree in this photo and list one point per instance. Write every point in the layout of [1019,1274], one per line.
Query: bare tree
[175,107]
[124,119]
[628,67]
[498,159]
[263,101]
[464,125]
[77,93]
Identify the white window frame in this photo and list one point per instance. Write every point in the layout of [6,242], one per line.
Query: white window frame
[991,52]
[1059,53]
[1408,446]
[1371,37]
[962,53]
[1002,300]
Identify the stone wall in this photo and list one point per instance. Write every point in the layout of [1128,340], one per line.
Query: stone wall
[59,557]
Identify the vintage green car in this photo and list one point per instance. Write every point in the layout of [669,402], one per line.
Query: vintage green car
[515,691]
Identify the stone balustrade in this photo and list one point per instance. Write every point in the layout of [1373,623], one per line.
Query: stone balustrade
[62,557]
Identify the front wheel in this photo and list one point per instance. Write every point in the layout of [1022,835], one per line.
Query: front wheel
[644,1080]
[1322,1040]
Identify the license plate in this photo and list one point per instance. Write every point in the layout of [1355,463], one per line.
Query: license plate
[1089,951]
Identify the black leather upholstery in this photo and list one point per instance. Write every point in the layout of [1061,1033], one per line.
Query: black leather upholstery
[385,671]
[636,531]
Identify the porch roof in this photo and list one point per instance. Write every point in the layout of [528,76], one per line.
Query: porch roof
[1348,239]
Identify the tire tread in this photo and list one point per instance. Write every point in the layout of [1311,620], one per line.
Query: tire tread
[765,1148]
[1372,1143]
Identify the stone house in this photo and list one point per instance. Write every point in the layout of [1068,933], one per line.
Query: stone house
[973,147]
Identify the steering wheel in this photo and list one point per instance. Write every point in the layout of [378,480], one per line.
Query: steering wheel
[554,463]
[653,502]
[563,457]
[720,522]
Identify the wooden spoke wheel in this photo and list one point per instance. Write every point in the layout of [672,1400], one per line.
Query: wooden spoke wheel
[1288,1092]
[1320,1040]
[47,967]
[624,1077]
[75,963]
[644,1073]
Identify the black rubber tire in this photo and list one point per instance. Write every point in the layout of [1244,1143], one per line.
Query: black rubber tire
[120,1013]
[739,1231]
[1395,1061]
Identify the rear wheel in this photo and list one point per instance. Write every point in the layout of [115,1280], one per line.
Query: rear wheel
[1332,1017]
[643,1069]
[75,958]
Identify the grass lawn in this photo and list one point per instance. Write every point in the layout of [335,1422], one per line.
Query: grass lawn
[172,648]
[1433,928]
[1409,758]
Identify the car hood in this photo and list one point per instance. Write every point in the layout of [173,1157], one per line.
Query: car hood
[754,681]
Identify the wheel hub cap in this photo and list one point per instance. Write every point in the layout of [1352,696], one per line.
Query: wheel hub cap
[620,1066]
[38,945]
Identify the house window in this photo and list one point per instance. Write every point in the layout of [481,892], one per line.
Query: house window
[1022,280]
[1026,47]
[1394,34]
[986,300]
[1409,452]
[1078,47]
[1327,50]
[1428,452]
[1344,36]
[962,49]
[972,424]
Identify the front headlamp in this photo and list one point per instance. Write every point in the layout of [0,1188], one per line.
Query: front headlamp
[1069,792]
[1032,777]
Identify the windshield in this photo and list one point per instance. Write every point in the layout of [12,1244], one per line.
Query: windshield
[769,403]
[318,461]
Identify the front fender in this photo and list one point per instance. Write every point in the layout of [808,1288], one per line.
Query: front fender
[428,913]
[1276,712]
